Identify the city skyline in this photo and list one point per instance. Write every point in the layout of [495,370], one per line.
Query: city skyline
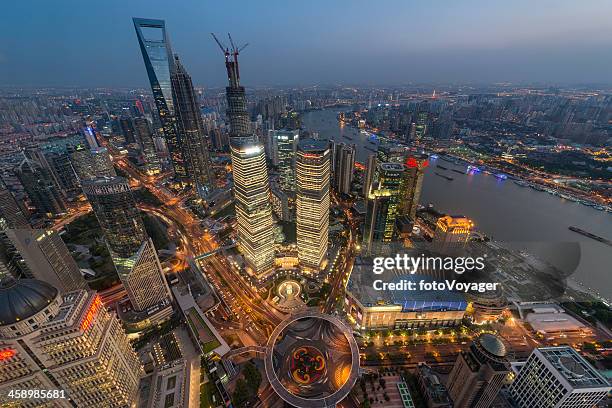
[472,42]
[359,246]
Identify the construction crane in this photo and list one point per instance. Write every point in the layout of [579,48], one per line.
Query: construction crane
[231,64]
[235,50]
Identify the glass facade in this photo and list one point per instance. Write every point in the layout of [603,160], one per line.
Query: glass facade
[383,207]
[159,62]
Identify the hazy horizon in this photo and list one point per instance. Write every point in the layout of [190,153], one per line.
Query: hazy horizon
[89,45]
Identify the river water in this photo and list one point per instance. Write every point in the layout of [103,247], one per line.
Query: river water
[523,217]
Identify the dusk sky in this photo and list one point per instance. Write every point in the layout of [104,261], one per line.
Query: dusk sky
[93,43]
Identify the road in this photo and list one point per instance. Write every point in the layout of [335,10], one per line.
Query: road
[245,298]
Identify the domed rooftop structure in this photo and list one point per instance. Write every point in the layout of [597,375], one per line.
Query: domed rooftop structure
[492,344]
[23,298]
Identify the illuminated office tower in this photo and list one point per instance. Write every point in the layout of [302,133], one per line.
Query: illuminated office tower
[151,159]
[312,202]
[92,163]
[383,208]
[251,184]
[452,233]
[284,147]
[40,187]
[10,211]
[343,162]
[159,62]
[66,342]
[386,153]
[478,373]
[42,254]
[189,126]
[558,377]
[412,183]
[132,251]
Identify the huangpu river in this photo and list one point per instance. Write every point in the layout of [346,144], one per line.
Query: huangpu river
[520,216]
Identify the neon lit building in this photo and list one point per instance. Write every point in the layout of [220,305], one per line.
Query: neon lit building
[70,342]
[251,184]
[312,202]
[157,55]
[452,233]
[131,249]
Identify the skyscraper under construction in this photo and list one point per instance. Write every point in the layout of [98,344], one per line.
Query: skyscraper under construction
[251,185]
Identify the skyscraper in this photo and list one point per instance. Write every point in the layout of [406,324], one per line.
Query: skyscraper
[41,188]
[478,373]
[383,208]
[189,125]
[368,174]
[131,249]
[343,165]
[312,202]
[251,184]
[159,62]
[151,159]
[65,342]
[10,211]
[558,377]
[284,147]
[43,255]
[412,183]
